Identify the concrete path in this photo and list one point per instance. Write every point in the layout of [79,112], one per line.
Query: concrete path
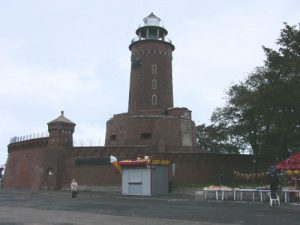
[29,216]
[109,207]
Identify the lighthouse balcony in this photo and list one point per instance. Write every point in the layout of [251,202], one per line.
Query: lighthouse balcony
[167,40]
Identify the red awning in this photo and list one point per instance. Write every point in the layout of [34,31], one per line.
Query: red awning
[134,162]
[291,163]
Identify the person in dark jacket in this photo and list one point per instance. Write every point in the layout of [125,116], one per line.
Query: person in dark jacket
[274,182]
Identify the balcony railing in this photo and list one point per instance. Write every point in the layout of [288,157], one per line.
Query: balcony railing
[151,38]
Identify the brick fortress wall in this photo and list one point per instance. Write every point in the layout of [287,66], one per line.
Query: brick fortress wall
[25,164]
[29,163]
[190,167]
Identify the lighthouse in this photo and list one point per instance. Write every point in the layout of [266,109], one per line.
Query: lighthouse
[151,86]
[151,120]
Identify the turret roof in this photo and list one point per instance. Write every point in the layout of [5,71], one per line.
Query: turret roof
[62,119]
[151,15]
[152,20]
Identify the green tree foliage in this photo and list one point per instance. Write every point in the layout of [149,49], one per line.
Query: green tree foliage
[216,139]
[262,113]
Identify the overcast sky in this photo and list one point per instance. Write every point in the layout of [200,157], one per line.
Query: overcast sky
[73,55]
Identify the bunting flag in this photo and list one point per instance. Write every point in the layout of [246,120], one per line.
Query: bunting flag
[249,176]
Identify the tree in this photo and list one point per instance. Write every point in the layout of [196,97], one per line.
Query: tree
[263,112]
[215,139]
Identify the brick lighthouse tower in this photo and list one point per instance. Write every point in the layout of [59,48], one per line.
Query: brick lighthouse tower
[151,120]
[151,68]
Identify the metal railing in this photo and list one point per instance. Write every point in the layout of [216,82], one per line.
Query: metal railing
[151,38]
[87,143]
[28,137]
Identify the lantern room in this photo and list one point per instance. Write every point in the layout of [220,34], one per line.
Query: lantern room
[151,29]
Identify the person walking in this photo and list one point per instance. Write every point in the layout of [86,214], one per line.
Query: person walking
[74,188]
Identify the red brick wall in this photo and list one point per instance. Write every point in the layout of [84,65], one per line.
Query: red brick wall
[28,164]
[206,167]
[190,167]
[97,175]
[24,168]
[27,167]
[94,175]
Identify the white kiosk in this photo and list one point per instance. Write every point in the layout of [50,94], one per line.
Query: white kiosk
[144,177]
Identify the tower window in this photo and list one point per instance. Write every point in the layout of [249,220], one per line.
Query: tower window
[154,84]
[113,137]
[154,100]
[50,171]
[146,135]
[154,69]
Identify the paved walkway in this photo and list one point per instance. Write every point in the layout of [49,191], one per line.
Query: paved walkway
[107,206]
